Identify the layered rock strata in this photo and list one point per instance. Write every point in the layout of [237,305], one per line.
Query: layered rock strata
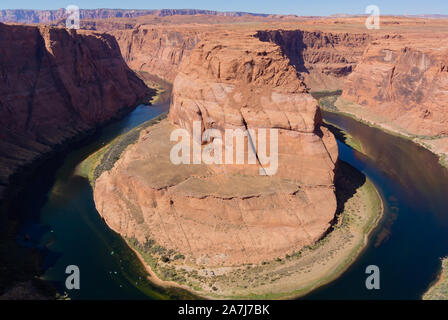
[228,214]
[54,85]
[157,50]
[323,59]
[404,81]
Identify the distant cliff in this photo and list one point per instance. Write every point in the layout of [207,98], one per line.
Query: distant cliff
[48,16]
[54,85]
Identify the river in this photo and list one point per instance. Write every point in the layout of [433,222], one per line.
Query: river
[58,214]
[413,234]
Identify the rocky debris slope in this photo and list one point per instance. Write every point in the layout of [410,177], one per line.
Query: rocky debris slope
[54,85]
[49,16]
[228,214]
[404,81]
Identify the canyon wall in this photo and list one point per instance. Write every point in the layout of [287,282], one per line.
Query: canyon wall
[402,82]
[157,50]
[324,59]
[54,85]
[228,214]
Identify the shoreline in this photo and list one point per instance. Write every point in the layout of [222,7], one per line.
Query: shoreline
[436,290]
[344,110]
[153,278]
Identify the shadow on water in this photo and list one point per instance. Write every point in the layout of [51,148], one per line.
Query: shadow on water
[337,132]
[411,238]
[58,216]
[347,181]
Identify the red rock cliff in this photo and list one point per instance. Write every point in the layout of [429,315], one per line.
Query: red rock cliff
[157,50]
[402,81]
[54,85]
[324,59]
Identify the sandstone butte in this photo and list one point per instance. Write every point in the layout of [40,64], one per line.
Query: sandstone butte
[56,84]
[228,214]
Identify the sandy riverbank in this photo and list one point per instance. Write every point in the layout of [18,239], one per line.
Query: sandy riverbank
[439,289]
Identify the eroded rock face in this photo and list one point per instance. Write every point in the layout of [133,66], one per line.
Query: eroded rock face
[237,81]
[404,80]
[157,50]
[324,59]
[227,214]
[54,85]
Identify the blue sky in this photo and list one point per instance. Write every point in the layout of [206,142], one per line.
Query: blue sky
[300,7]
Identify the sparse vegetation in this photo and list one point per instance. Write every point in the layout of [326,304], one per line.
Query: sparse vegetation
[178,256]
[159,259]
[105,158]
[162,87]
[439,289]
[326,93]
[444,160]
[327,99]
[327,103]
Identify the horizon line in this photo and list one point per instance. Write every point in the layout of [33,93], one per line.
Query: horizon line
[236,11]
